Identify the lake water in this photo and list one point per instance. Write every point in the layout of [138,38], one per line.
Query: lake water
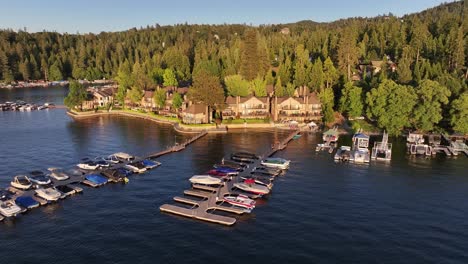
[411,210]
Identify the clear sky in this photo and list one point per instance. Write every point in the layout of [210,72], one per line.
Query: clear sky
[115,15]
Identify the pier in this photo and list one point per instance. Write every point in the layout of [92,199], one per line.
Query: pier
[212,197]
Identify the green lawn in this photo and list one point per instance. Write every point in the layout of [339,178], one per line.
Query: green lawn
[248,121]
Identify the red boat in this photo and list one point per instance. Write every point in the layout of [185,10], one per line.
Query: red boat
[217,173]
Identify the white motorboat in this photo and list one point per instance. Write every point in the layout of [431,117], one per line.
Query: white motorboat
[360,150]
[276,163]
[240,200]
[21,182]
[40,179]
[136,167]
[122,156]
[58,174]
[343,153]
[205,180]
[252,188]
[88,165]
[49,194]
[9,209]
[111,159]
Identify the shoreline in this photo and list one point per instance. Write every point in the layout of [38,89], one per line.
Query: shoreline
[181,128]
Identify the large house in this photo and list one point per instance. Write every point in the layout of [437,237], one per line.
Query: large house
[195,114]
[250,107]
[302,107]
[104,97]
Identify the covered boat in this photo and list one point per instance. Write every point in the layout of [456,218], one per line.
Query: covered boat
[267,170]
[150,164]
[227,171]
[66,190]
[251,187]
[276,163]
[116,175]
[240,200]
[205,180]
[27,202]
[21,182]
[217,173]
[95,180]
[9,209]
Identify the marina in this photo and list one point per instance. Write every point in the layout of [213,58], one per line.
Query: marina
[40,189]
[213,197]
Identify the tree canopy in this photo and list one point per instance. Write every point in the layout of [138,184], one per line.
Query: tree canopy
[391,104]
[76,95]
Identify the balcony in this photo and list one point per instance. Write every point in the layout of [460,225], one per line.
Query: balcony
[253,107]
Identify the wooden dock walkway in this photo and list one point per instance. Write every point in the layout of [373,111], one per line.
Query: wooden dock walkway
[213,197]
[177,147]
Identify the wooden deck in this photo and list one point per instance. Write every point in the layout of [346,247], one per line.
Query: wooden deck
[213,196]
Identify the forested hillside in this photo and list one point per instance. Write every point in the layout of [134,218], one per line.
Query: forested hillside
[416,53]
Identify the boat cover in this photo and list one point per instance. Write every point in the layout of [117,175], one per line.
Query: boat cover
[97,179]
[26,201]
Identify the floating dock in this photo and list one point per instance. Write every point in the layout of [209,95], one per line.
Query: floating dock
[212,197]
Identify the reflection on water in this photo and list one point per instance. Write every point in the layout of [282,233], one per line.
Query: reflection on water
[408,209]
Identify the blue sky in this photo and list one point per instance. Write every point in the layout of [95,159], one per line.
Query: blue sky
[114,15]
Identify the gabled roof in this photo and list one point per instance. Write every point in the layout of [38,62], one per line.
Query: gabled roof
[253,98]
[196,109]
[289,100]
[313,98]
[231,100]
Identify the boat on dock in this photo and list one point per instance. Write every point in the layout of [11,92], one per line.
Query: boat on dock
[244,157]
[382,150]
[343,154]
[9,209]
[67,191]
[360,148]
[150,164]
[122,156]
[87,164]
[267,170]
[26,202]
[240,200]
[58,174]
[136,167]
[265,181]
[251,187]
[39,179]
[50,194]
[331,135]
[117,175]
[205,180]
[456,144]
[416,145]
[95,180]
[21,182]
[276,163]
